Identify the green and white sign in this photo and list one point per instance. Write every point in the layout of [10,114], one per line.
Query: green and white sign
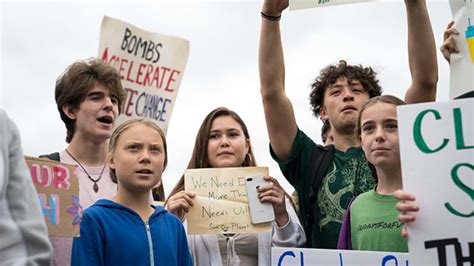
[437,156]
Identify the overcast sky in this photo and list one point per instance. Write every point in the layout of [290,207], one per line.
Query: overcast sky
[40,39]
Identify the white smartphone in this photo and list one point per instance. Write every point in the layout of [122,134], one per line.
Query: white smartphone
[260,212]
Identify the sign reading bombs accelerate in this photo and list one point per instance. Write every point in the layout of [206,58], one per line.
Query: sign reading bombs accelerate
[221,204]
[302,4]
[437,156]
[58,190]
[462,63]
[316,257]
[151,68]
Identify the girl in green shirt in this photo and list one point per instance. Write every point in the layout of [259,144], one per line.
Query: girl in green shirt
[371,220]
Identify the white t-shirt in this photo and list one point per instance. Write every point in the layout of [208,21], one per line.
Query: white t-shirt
[62,246]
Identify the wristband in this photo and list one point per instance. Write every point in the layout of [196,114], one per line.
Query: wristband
[268,17]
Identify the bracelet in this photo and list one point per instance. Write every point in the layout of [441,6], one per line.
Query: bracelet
[272,18]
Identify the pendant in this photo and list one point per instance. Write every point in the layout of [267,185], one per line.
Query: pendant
[95,187]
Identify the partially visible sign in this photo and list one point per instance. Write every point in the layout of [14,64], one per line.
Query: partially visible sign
[462,63]
[317,257]
[437,158]
[221,204]
[58,195]
[151,67]
[302,4]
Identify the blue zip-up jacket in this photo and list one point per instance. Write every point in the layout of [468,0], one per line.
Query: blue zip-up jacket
[113,234]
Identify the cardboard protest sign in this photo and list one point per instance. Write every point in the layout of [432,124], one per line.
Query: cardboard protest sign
[58,195]
[221,204]
[437,157]
[462,63]
[307,257]
[151,68]
[302,4]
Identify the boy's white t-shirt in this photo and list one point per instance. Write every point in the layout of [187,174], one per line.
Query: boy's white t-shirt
[62,246]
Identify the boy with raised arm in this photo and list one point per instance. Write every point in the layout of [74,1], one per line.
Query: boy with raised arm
[327,178]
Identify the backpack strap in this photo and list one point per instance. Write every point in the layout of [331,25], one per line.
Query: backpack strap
[320,162]
[52,156]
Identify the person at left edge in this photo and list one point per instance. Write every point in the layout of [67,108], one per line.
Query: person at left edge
[23,234]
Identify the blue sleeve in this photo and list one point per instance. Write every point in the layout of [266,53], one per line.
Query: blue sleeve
[88,249]
[184,257]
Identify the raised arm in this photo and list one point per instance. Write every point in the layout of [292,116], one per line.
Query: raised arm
[279,115]
[421,54]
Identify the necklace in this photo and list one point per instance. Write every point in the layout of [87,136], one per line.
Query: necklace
[95,187]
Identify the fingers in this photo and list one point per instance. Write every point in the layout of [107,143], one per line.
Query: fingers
[406,204]
[407,207]
[180,202]
[449,43]
[402,195]
[406,218]
[275,8]
[272,196]
[271,192]
[404,231]
[450,24]
[271,185]
[450,30]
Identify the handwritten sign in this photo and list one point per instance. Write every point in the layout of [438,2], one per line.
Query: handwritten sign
[302,4]
[437,156]
[58,190]
[221,204]
[462,63]
[307,257]
[151,67]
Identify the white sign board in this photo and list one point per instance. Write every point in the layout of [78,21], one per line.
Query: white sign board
[331,257]
[437,156]
[151,67]
[462,63]
[302,4]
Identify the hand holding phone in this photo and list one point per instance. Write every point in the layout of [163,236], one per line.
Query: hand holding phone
[260,212]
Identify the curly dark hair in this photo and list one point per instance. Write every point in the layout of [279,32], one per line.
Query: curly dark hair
[330,74]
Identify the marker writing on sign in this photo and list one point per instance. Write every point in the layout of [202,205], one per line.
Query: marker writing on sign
[441,246]
[145,75]
[45,176]
[152,106]
[460,144]
[50,211]
[386,260]
[132,44]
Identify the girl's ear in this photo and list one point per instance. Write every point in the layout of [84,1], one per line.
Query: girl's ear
[110,161]
[247,146]
[69,112]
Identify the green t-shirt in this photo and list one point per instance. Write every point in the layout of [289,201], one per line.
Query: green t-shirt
[374,223]
[348,177]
